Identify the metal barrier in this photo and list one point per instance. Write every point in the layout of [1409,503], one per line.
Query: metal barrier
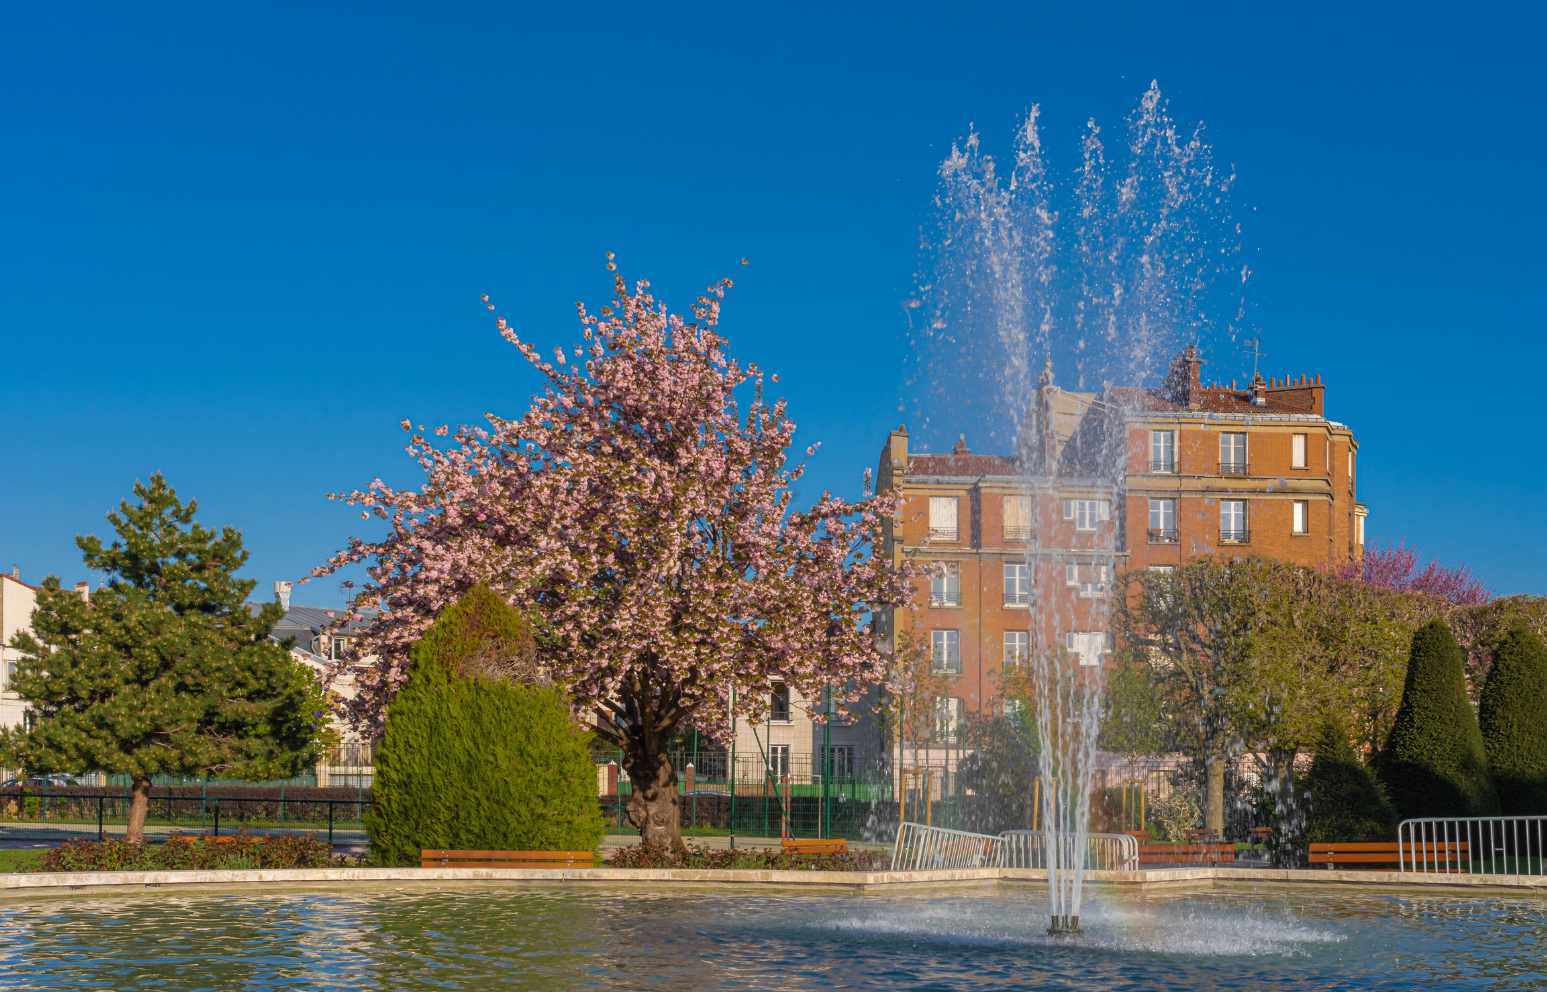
[921,848]
[102,807]
[1488,845]
[1103,852]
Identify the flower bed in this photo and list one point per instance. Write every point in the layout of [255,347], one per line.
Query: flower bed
[724,858]
[240,851]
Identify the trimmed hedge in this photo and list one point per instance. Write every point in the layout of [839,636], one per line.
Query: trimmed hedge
[472,762]
[1345,801]
[1434,764]
[1512,713]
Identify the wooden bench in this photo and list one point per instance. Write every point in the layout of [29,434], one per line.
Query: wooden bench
[1438,855]
[814,848]
[1204,853]
[506,859]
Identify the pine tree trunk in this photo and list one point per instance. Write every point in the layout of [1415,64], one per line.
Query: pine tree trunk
[139,805]
[1214,819]
[654,808]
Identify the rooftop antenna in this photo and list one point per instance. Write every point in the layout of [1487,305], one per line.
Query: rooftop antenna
[1255,344]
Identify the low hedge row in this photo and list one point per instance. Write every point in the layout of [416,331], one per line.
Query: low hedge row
[203,853]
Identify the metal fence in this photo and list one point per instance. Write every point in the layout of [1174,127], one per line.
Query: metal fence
[1103,852]
[200,812]
[921,848]
[1488,845]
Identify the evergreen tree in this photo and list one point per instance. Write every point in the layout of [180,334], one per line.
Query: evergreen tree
[1434,764]
[1345,800]
[472,760]
[1513,716]
[164,669]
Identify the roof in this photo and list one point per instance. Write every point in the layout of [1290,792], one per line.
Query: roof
[305,622]
[961,464]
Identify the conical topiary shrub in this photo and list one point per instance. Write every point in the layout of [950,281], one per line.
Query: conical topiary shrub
[474,761]
[1345,800]
[1513,716]
[1433,763]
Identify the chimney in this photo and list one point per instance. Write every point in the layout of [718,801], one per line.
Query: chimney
[1259,390]
[16,572]
[83,590]
[1183,382]
[961,445]
[282,593]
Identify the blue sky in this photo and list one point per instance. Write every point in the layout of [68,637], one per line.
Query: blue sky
[239,246]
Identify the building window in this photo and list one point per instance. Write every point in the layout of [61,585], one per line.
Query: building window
[1162,451]
[1017,518]
[1359,531]
[340,648]
[1162,528]
[1232,521]
[1163,569]
[942,518]
[779,760]
[7,675]
[1302,522]
[948,715]
[1086,513]
[945,651]
[1232,453]
[945,584]
[779,703]
[1013,708]
[1297,451]
[1090,580]
[841,762]
[1017,647]
[1088,645]
[1017,584]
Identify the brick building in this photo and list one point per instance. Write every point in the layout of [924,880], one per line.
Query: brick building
[1023,548]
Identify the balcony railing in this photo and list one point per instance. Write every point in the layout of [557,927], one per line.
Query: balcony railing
[1016,532]
[943,534]
[1241,536]
[1232,468]
[1162,536]
[1163,467]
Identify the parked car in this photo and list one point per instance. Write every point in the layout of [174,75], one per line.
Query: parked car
[53,780]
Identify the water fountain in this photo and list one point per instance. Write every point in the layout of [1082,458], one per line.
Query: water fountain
[1105,278]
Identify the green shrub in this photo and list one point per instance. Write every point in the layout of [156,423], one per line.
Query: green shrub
[470,760]
[759,859]
[1513,715]
[1344,799]
[1433,763]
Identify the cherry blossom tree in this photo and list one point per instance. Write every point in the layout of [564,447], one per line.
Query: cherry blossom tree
[640,511]
[1396,567]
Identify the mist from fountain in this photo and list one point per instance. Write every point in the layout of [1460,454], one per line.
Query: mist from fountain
[1104,277]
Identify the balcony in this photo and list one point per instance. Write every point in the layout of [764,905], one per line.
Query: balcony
[1232,468]
[1241,536]
[1163,467]
[1162,536]
[944,534]
[1017,532]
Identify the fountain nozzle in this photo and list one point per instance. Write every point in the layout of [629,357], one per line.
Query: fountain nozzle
[1064,926]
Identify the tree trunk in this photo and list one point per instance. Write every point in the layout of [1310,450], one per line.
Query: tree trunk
[139,805]
[654,807]
[1214,818]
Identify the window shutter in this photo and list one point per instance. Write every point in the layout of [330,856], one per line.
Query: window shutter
[1068,509]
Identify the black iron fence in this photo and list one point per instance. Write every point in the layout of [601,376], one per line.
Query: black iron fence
[302,809]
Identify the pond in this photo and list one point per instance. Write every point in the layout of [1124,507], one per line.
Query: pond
[550,938]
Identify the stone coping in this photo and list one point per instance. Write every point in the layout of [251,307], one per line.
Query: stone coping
[22,885]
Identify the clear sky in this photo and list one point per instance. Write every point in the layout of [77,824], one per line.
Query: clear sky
[239,244]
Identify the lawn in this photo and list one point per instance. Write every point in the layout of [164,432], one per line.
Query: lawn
[15,859]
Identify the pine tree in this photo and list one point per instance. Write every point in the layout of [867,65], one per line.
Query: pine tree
[164,669]
[1345,800]
[471,759]
[1434,764]
[1513,716]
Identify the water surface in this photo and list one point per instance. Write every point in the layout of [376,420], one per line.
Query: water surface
[492,938]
